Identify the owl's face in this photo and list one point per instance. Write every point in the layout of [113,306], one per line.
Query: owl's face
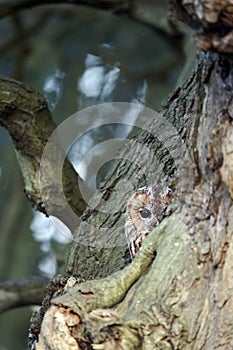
[147,205]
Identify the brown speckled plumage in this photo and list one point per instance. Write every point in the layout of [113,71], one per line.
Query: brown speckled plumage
[145,209]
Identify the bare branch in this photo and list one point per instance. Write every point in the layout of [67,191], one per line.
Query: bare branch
[23,292]
[152,14]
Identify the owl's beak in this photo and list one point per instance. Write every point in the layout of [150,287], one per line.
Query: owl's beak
[154,222]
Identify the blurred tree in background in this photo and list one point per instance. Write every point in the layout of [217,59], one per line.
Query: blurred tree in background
[76,56]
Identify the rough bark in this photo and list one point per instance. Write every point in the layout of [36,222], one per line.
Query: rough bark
[213,21]
[183,300]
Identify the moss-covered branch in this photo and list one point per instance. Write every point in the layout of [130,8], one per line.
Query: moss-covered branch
[25,115]
[129,293]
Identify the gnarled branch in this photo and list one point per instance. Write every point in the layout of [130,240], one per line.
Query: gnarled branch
[25,115]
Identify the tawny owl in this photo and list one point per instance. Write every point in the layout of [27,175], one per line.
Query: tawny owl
[145,209]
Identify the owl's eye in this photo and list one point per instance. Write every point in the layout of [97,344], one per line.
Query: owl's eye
[145,213]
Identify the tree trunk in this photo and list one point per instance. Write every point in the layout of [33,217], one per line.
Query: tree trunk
[177,292]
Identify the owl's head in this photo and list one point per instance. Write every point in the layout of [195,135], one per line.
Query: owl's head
[147,205]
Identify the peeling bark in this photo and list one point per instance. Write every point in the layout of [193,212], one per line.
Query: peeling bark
[213,19]
[125,325]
